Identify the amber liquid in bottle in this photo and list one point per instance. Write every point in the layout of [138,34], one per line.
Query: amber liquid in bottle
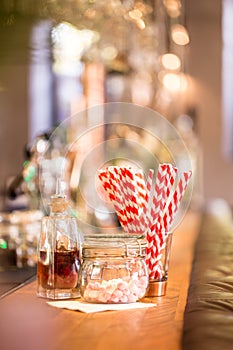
[66,270]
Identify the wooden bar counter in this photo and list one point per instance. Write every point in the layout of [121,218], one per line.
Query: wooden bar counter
[29,323]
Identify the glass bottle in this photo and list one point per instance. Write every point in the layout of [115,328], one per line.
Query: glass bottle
[113,269]
[58,252]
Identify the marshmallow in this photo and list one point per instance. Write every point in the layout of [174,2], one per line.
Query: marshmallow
[116,290]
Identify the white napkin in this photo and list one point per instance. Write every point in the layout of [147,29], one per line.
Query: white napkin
[89,307]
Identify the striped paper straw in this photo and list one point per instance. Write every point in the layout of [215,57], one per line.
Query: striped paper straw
[104,179]
[174,204]
[119,205]
[168,186]
[141,189]
[109,183]
[145,218]
[170,180]
[164,221]
[161,191]
[132,204]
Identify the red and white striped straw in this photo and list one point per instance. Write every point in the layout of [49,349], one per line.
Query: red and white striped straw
[168,214]
[131,200]
[105,180]
[175,202]
[127,189]
[145,218]
[164,181]
[110,185]
[119,205]
[160,192]
[131,196]
[153,213]
[170,180]
[149,181]
[141,190]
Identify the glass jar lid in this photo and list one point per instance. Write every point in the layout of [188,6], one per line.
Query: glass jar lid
[117,245]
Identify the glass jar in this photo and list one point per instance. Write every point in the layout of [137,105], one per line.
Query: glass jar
[113,269]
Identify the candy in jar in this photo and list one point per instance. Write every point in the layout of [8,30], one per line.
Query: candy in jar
[113,269]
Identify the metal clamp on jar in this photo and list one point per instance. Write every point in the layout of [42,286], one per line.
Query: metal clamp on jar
[113,269]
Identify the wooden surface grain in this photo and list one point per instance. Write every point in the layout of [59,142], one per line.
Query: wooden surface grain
[29,323]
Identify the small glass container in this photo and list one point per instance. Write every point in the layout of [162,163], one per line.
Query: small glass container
[113,269]
[58,253]
[158,283]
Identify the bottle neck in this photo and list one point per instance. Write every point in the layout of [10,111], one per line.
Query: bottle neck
[58,206]
[60,213]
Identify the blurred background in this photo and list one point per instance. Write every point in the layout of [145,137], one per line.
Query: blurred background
[61,57]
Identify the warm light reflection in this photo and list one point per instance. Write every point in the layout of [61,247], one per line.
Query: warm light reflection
[144,8]
[174,82]
[170,61]
[173,7]
[179,34]
[109,53]
[69,44]
[135,14]
[171,81]
[41,146]
[140,23]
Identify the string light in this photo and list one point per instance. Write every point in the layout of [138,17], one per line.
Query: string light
[179,34]
[170,61]
[173,82]
[173,7]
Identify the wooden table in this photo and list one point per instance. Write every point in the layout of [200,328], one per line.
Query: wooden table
[29,323]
